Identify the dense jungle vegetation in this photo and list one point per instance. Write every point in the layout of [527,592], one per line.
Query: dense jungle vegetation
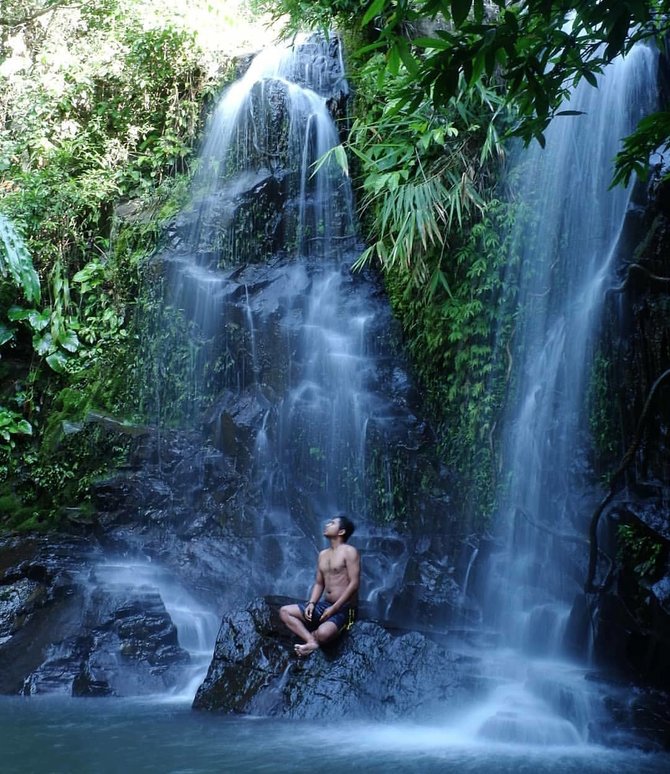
[101,107]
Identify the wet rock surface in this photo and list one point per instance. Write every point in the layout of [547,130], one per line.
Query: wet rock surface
[632,629]
[368,672]
[63,631]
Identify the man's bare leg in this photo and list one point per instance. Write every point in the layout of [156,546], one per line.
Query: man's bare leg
[326,632]
[291,616]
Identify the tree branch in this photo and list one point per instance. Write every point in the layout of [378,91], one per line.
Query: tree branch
[549,531]
[28,17]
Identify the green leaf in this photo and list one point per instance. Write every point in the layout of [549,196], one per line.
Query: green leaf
[590,77]
[16,313]
[38,320]
[393,60]
[373,11]
[69,341]
[15,261]
[43,344]
[441,45]
[617,34]
[341,159]
[407,59]
[460,10]
[6,334]
[439,280]
[336,153]
[24,427]
[57,361]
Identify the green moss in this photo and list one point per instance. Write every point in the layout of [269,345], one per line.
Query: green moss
[458,340]
[602,421]
[13,509]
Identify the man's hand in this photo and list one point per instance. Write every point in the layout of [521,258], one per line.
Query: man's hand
[327,613]
[309,610]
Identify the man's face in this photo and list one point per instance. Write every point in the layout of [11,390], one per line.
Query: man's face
[332,528]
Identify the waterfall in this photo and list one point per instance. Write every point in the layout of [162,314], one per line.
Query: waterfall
[287,369]
[269,346]
[565,241]
[196,625]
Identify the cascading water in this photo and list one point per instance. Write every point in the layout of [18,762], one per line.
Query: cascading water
[565,245]
[196,624]
[287,365]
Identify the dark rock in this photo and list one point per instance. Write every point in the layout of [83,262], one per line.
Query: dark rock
[632,623]
[126,645]
[429,596]
[64,632]
[661,591]
[368,672]
[235,421]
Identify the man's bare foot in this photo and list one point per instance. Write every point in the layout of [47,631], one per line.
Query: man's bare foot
[306,648]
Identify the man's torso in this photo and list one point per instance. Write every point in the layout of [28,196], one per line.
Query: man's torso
[333,566]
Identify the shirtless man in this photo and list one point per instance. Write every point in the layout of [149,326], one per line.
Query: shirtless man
[338,572]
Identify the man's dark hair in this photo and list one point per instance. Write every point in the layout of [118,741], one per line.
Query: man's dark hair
[347,525]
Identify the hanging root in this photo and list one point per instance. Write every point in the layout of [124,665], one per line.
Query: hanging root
[590,587]
[549,531]
[582,541]
[639,267]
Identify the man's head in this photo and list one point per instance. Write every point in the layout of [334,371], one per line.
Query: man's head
[343,524]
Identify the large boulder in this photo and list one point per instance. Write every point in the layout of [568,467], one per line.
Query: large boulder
[369,672]
[64,630]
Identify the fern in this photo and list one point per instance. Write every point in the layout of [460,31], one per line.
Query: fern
[423,177]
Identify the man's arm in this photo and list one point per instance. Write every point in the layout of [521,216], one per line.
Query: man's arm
[353,561]
[315,593]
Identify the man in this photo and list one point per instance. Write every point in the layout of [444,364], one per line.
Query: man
[338,573]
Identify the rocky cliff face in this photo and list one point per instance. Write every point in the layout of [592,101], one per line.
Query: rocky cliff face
[633,610]
[190,503]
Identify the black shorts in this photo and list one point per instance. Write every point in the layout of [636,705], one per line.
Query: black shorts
[343,619]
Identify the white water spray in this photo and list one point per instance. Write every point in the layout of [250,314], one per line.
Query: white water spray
[566,246]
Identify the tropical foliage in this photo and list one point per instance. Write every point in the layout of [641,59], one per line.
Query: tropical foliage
[101,103]
[458,77]
[537,50]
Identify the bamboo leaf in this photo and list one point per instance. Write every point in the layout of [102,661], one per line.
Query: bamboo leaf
[373,11]
[437,43]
